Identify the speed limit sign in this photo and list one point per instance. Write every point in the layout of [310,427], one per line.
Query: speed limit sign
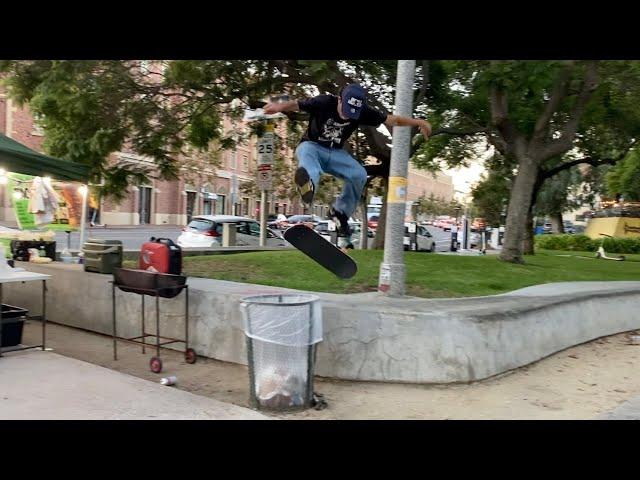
[265,150]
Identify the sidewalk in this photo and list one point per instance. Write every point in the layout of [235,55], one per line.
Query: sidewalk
[582,382]
[39,385]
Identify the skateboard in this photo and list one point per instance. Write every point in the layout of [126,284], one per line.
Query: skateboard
[311,243]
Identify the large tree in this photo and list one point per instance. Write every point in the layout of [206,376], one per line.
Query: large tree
[541,116]
[624,179]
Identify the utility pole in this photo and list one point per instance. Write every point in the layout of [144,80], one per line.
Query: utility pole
[392,270]
[265,161]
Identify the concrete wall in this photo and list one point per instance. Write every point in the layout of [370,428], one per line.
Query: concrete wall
[366,337]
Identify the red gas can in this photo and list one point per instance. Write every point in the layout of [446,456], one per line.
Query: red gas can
[161,255]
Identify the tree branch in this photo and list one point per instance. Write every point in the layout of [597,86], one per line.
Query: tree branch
[564,143]
[425,83]
[514,141]
[558,94]
[459,133]
[587,160]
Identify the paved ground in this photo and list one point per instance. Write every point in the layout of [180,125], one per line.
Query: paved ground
[583,382]
[131,237]
[627,411]
[39,385]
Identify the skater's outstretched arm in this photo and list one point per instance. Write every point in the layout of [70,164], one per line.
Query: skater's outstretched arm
[290,106]
[397,120]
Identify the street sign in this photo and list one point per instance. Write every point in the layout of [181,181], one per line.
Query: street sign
[265,149]
[264,179]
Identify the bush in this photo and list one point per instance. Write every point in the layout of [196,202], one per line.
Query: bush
[583,243]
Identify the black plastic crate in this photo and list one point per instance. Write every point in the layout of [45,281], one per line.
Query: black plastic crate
[20,249]
[9,311]
[11,331]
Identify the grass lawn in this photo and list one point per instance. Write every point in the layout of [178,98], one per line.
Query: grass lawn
[428,275]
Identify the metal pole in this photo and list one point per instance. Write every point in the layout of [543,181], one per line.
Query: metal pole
[113,313]
[144,328]
[1,300]
[83,220]
[263,218]
[44,313]
[265,160]
[186,318]
[392,269]
[157,325]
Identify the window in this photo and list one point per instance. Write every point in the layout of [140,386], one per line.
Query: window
[254,228]
[220,204]
[233,160]
[245,162]
[37,124]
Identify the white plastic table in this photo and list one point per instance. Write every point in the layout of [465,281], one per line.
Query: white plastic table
[24,276]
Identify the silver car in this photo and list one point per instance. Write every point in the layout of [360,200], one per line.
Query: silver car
[424,240]
[205,231]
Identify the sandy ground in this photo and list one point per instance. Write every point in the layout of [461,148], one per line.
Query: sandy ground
[579,383]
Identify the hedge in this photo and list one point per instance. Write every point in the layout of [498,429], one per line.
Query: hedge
[583,243]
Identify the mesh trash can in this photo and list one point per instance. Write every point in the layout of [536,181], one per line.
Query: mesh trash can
[282,333]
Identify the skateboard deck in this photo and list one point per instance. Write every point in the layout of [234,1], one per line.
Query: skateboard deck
[311,243]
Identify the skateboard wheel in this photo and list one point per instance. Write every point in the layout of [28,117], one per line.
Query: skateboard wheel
[190,356]
[155,364]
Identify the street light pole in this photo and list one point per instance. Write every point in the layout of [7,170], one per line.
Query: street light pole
[392,270]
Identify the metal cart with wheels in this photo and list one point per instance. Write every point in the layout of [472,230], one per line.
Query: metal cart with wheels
[156,285]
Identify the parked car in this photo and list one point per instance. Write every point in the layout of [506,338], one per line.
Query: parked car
[479,223]
[205,231]
[474,239]
[297,219]
[356,227]
[568,227]
[546,228]
[424,240]
[373,222]
[276,222]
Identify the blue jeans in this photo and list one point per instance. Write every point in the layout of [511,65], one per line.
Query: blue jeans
[317,159]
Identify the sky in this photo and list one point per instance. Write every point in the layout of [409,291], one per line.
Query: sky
[464,178]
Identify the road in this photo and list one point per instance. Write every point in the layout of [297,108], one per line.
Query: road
[133,237]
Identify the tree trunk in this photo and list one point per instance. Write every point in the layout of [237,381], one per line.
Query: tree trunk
[518,212]
[378,242]
[527,243]
[557,226]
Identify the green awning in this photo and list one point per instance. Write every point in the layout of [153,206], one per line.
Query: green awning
[16,157]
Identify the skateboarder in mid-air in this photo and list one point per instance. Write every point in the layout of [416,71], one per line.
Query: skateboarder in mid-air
[332,120]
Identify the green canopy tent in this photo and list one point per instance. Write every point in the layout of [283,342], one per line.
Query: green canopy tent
[18,158]
[15,157]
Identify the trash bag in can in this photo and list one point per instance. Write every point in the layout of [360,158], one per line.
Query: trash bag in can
[282,332]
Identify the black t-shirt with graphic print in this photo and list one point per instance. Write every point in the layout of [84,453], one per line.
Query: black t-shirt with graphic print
[325,125]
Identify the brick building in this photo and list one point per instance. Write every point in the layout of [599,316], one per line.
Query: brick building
[201,188]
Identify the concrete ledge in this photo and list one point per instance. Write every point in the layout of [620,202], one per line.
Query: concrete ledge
[366,336]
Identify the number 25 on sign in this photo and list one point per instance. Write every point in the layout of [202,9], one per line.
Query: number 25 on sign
[265,151]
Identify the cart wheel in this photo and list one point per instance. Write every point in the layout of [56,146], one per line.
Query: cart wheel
[155,364]
[190,355]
